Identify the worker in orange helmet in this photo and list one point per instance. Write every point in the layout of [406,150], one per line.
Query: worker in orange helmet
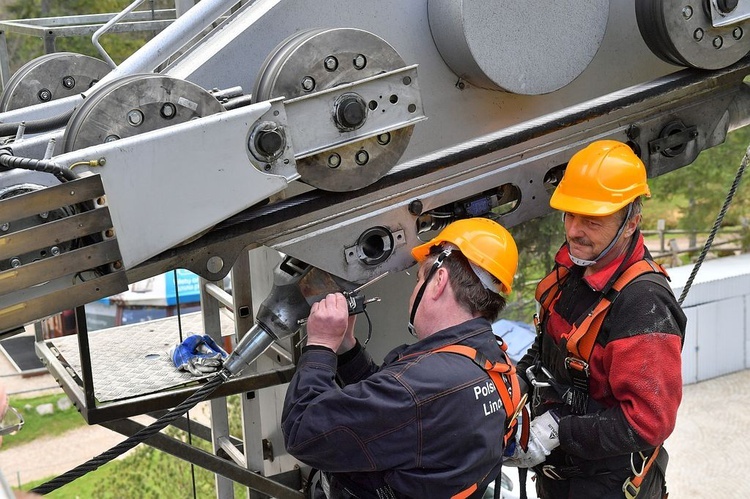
[432,420]
[604,374]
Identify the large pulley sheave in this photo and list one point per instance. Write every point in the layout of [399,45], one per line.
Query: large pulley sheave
[320,59]
[136,104]
[704,34]
[50,77]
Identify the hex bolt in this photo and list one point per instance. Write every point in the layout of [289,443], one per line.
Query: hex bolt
[331,63]
[718,42]
[15,263]
[4,227]
[362,157]
[698,34]
[54,250]
[737,33]
[168,111]
[111,138]
[334,160]
[360,61]
[68,82]
[687,12]
[350,112]
[45,95]
[384,139]
[135,117]
[44,215]
[308,84]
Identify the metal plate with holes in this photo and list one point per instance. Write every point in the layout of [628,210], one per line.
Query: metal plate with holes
[530,47]
[134,360]
[136,104]
[681,32]
[321,59]
[51,76]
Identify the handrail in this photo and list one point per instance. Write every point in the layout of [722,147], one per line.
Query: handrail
[98,33]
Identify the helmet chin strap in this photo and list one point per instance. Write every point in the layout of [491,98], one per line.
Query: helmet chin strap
[587,263]
[438,263]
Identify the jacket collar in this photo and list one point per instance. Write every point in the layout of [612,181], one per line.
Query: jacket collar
[450,336]
[599,279]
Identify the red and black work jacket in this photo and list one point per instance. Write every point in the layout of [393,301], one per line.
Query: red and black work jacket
[425,424]
[635,380]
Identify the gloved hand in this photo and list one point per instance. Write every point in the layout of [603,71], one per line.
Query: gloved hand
[198,355]
[543,439]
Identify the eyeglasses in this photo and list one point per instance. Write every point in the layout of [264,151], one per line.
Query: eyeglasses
[12,422]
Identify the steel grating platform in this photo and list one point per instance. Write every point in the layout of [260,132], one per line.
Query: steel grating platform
[130,361]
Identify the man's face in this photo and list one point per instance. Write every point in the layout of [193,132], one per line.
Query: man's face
[588,236]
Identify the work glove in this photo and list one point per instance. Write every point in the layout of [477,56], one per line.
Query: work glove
[198,355]
[543,439]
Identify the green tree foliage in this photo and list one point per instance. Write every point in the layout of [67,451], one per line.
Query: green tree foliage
[538,240]
[24,48]
[697,192]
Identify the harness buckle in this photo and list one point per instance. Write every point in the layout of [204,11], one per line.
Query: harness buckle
[551,472]
[577,364]
[630,489]
[532,377]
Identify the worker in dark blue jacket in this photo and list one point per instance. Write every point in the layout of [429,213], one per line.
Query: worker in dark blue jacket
[429,423]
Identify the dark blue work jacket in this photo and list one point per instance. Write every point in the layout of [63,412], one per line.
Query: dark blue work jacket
[425,424]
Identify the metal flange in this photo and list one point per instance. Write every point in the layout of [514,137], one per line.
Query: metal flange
[321,59]
[681,32]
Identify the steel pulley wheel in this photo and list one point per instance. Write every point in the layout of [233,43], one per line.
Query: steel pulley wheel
[682,33]
[133,105]
[320,59]
[51,76]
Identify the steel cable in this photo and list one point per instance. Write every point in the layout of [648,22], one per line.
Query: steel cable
[124,446]
[717,224]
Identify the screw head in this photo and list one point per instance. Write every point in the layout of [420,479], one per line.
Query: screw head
[135,117]
[308,84]
[45,95]
[68,82]
[334,160]
[331,63]
[360,61]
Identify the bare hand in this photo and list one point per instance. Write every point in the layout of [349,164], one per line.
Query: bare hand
[349,341]
[328,322]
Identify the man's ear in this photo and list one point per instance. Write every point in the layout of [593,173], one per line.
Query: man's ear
[440,282]
[632,224]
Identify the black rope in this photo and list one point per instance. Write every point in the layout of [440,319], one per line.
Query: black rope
[178,313]
[717,224]
[124,446]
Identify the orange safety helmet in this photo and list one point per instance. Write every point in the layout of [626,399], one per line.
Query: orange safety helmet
[484,242]
[601,179]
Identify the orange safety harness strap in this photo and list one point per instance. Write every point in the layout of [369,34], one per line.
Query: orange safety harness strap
[503,375]
[632,486]
[581,339]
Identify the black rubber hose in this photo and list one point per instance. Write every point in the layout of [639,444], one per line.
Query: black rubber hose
[37,126]
[8,162]
[124,446]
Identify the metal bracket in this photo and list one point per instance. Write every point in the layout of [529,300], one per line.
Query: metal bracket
[727,12]
[673,140]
